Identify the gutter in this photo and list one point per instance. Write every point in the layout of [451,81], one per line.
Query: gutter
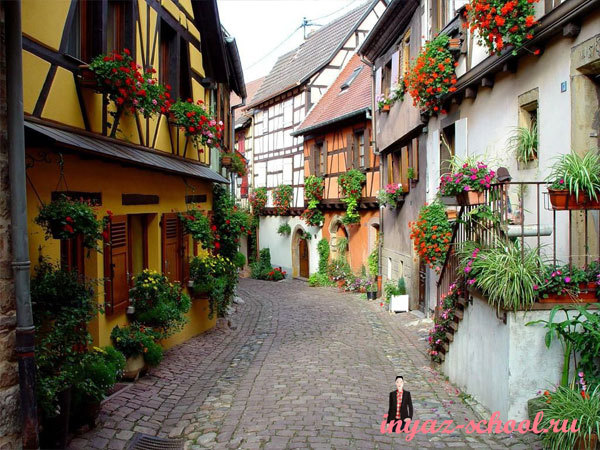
[376,153]
[318,126]
[25,342]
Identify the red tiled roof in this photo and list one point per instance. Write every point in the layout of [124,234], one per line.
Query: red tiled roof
[337,103]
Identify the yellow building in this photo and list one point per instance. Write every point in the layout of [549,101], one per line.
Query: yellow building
[144,171]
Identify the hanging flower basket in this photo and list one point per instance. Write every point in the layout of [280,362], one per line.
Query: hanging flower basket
[66,219]
[226,160]
[469,198]
[197,122]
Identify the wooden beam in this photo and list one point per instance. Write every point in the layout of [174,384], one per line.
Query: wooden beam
[471,92]
[487,82]
[571,30]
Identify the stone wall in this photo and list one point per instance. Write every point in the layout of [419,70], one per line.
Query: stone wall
[9,387]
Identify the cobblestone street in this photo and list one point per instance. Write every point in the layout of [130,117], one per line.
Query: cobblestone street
[303,368]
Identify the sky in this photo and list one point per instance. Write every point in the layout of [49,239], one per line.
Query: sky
[259,26]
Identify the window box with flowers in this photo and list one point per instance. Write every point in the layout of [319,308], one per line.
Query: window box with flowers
[128,86]
[197,122]
[282,199]
[574,182]
[65,218]
[351,184]
[313,193]
[392,195]
[501,23]
[432,75]
[258,200]
[468,184]
[384,103]
[431,234]
[568,284]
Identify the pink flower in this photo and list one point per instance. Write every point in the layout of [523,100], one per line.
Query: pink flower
[467,269]
[471,281]
[467,188]
[567,279]
[535,287]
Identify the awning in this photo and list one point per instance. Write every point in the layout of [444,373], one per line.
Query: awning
[111,149]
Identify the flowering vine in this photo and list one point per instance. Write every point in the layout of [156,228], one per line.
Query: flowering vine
[282,198]
[258,200]
[313,193]
[437,335]
[432,75]
[351,183]
[500,22]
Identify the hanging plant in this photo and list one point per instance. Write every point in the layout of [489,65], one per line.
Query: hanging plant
[198,225]
[432,75]
[431,234]
[500,23]
[391,196]
[197,123]
[65,219]
[258,200]
[128,86]
[284,229]
[313,217]
[282,199]
[351,183]
[238,165]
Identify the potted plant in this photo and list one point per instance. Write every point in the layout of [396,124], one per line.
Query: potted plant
[524,143]
[432,75]
[226,159]
[351,183]
[399,298]
[431,234]
[371,288]
[392,195]
[574,182]
[284,229]
[65,218]
[198,123]
[99,371]
[339,271]
[282,198]
[138,344]
[501,23]
[384,103]
[197,224]
[238,165]
[468,184]
[564,285]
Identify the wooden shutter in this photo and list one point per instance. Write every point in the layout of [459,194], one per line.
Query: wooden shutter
[378,75]
[186,258]
[349,151]
[116,262]
[356,149]
[171,246]
[415,157]
[72,254]
[404,169]
[323,168]
[311,160]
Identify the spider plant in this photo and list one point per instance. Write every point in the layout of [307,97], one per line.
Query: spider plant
[577,173]
[524,143]
[568,404]
[502,275]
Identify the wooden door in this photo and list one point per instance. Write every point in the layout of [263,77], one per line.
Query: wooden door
[303,251]
[116,263]
[171,246]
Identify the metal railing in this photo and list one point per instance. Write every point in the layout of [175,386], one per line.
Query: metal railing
[521,211]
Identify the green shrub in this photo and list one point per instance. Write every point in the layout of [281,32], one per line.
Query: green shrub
[239,260]
[99,371]
[284,229]
[153,354]
[401,286]
[323,249]
[319,279]
[260,269]
[134,340]
[373,262]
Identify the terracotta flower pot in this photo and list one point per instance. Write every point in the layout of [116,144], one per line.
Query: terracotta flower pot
[340,285]
[587,294]
[586,443]
[451,214]
[562,199]
[469,198]
[226,161]
[558,198]
[385,108]
[133,366]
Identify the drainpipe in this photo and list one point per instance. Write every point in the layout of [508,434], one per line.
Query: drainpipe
[376,150]
[20,247]
[232,111]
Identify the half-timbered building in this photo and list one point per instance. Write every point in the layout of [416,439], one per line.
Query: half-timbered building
[143,170]
[294,85]
[337,138]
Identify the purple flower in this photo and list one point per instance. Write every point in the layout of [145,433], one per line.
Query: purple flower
[467,188]
[467,269]
[567,279]
[471,281]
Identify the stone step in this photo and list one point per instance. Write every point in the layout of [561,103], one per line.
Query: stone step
[450,336]
[458,315]
[454,326]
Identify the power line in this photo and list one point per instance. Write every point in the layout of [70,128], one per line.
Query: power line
[335,12]
[275,48]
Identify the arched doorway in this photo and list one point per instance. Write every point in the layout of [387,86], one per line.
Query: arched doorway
[300,254]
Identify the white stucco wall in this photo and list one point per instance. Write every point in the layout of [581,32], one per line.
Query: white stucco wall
[281,246]
[503,366]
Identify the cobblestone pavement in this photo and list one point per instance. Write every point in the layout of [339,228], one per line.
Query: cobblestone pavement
[303,368]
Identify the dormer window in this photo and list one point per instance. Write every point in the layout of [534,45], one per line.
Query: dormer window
[350,79]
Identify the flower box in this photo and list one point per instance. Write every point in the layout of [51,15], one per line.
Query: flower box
[469,198]
[399,303]
[451,214]
[562,199]
[587,294]
[385,108]
[226,161]
[87,79]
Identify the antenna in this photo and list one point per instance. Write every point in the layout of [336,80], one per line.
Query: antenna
[308,23]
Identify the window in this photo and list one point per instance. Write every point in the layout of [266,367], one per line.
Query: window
[318,159]
[446,148]
[386,82]
[72,254]
[528,119]
[115,26]
[360,147]
[405,54]
[168,57]
[439,14]
[351,78]
[185,79]
[85,34]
